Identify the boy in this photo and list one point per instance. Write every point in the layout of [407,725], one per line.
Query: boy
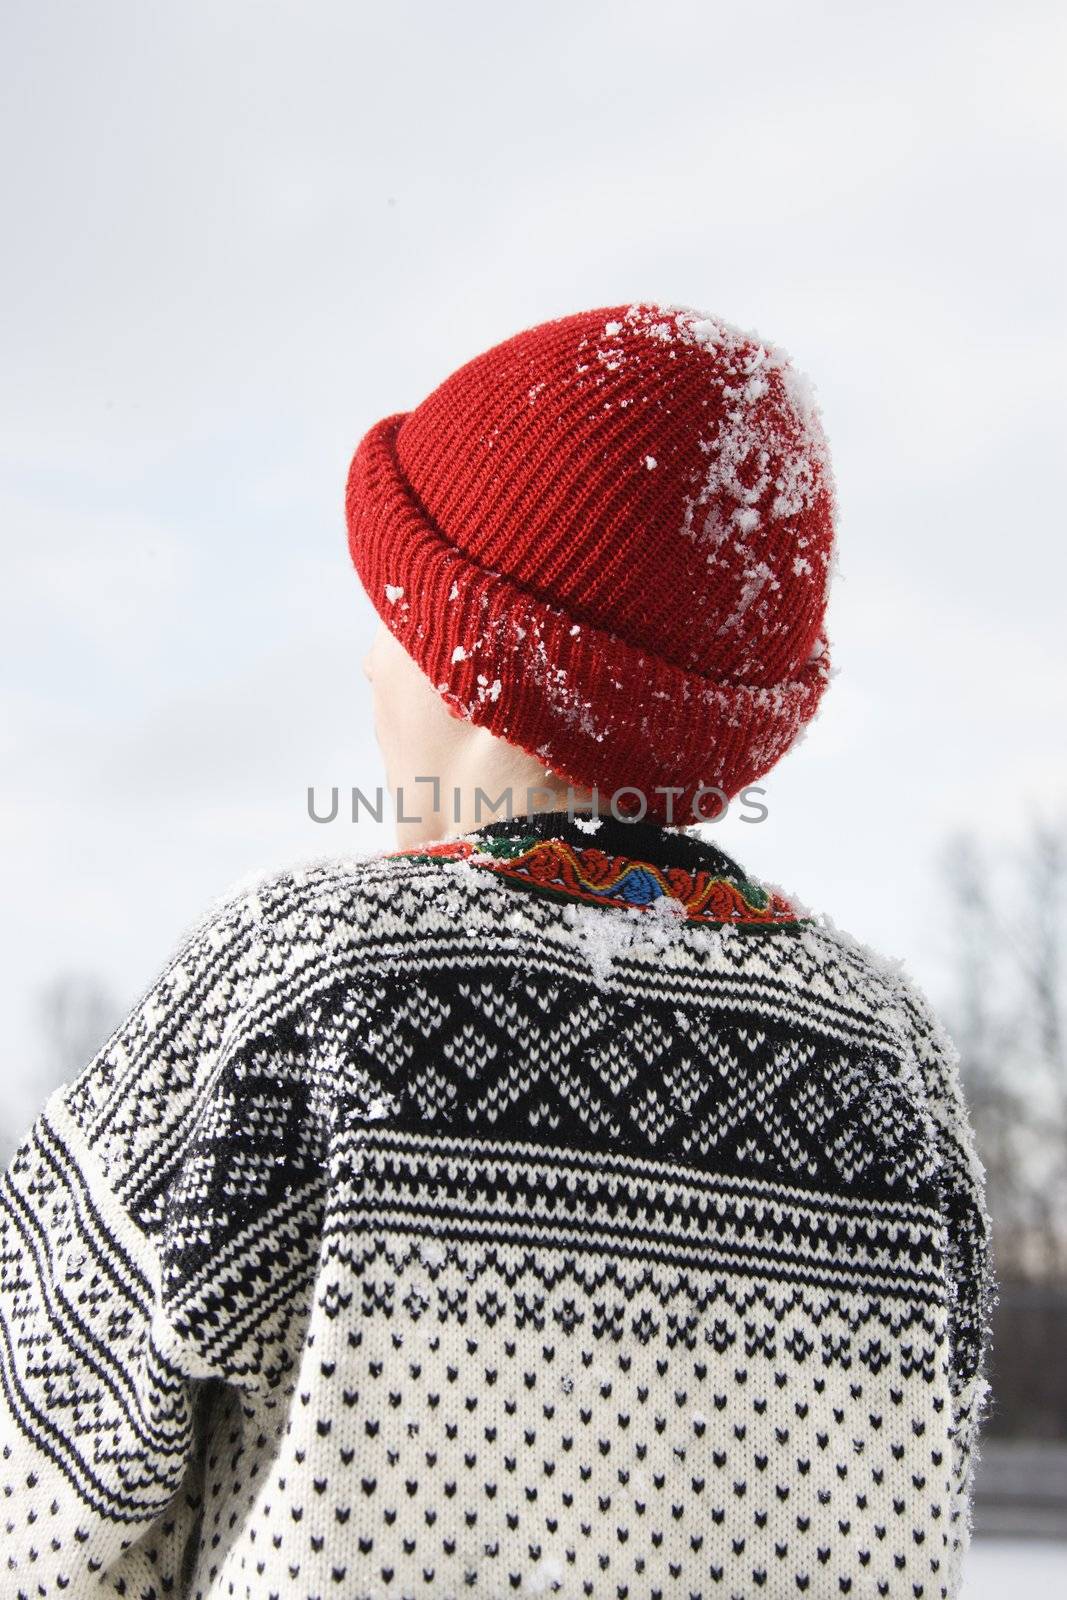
[546,1207]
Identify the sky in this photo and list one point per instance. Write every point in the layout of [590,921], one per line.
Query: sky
[239,234]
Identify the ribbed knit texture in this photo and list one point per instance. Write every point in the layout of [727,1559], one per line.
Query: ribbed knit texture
[607,540]
[558,1212]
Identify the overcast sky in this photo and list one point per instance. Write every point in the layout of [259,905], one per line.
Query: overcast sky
[237,234]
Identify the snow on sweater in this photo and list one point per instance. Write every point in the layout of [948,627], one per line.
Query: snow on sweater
[553,1211]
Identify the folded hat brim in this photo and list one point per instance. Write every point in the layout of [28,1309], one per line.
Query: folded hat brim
[598,711]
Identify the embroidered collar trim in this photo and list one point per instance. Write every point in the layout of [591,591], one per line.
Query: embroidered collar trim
[607,862]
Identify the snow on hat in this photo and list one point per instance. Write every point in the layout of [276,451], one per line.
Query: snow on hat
[607,540]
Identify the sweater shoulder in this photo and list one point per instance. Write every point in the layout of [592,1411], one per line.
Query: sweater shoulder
[305,901]
[222,987]
[335,884]
[885,981]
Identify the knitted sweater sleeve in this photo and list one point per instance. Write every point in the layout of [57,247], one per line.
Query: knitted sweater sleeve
[969,1272]
[102,1394]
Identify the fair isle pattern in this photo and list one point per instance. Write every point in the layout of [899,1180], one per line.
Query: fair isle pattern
[558,867]
[418,1238]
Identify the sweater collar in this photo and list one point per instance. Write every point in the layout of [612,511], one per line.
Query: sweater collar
[644,840]
[630,864]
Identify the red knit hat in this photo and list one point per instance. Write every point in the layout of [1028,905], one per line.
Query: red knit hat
[607,540]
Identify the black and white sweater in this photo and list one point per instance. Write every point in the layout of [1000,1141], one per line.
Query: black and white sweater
[551,1211]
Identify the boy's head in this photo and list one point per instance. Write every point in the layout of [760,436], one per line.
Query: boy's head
[605,543]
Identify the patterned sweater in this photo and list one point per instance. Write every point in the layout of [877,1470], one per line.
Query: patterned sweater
[552,1211]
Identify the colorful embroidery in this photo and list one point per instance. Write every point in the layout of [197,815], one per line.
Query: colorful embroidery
[569,872]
